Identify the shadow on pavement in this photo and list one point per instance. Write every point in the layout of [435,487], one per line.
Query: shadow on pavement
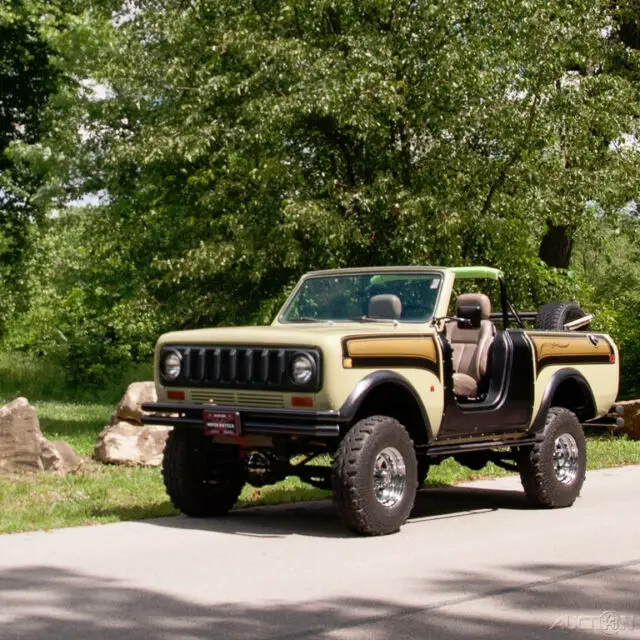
[45,602]
[319,518]
[457,501]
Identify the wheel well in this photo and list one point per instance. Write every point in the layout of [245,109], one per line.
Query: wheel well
[394,400]
[574,395]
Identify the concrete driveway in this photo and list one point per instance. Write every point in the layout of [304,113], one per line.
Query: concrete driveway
[473,562]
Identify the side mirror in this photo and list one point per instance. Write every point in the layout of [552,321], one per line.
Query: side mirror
[469,316]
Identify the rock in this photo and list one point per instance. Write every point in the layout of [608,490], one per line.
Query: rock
[22,446]
[129,408]
[631,418]
[58,456]
[125,440]
[129,443]
[20,437]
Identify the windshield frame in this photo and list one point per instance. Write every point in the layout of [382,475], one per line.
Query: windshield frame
[372,272]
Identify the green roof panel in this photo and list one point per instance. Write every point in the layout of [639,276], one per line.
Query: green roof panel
[476,272]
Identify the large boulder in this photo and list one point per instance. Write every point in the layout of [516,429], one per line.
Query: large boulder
[125,440]
[20,437]
[130,406]
[128,443]
[22,446]
[631,418]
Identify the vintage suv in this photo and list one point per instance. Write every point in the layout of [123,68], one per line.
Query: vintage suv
[386,371]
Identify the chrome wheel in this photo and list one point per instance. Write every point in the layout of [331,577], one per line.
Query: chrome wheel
[566,458]
[389,477]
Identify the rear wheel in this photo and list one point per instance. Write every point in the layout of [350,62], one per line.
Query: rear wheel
[375,476]
[202,479]
[553,316]
[553,470]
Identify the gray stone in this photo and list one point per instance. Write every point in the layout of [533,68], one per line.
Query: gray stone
[24,449]
[631,418]
[20,437]
[131,444]
[129,408]
[58,456]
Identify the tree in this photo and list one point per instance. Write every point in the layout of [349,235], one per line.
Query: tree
[239,143]
[622,39]
[28,77]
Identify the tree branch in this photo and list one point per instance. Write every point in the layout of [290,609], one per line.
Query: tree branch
[515,156]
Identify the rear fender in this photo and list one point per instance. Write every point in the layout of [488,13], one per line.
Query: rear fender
[572,380]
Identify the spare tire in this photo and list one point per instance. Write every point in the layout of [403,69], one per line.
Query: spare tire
[553,316]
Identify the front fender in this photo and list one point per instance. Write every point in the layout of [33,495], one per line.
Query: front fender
[354,401]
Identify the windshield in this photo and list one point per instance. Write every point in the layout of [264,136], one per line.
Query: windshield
[407,297]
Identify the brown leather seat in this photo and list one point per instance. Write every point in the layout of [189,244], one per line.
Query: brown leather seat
[471,346]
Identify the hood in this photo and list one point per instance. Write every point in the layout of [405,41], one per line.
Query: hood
[287,334]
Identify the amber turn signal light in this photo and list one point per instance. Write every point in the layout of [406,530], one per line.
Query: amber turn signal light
[302,401]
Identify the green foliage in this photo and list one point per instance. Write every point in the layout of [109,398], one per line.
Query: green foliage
[44,379]
[28,77]
[608,262]
[237,144]
[82,313]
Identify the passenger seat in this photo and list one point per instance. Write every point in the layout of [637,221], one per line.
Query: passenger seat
[471,346]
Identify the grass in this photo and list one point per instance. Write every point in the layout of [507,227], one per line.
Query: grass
[75,423]
[101,493]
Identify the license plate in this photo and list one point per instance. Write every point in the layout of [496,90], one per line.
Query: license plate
[221,423]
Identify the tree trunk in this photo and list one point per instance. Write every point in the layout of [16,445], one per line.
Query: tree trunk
[556,245]
[630,33]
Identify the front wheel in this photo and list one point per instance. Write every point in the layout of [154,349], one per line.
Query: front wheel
[375,476]
[553,470]
[202,479]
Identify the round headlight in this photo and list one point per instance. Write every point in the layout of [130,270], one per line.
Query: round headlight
[171,365]
[303,369]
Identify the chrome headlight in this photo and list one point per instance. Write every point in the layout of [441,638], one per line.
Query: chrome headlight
[171,365]
[303,369]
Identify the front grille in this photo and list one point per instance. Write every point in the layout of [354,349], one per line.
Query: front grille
[213,395]
[241,367]
[240,398]
[260,400]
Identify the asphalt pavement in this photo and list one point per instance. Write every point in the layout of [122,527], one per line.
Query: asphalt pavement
[474,561]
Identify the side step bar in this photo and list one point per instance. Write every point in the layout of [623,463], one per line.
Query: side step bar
[450,449]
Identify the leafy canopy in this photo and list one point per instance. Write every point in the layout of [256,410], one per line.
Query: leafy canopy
[239,143]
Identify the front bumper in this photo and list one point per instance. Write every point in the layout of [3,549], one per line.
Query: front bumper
[253,420]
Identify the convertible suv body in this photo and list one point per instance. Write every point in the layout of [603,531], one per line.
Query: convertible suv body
[381,373]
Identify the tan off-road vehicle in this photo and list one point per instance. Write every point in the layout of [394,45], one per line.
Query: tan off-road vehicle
[385,371]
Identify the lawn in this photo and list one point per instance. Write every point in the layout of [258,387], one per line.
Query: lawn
[100,493]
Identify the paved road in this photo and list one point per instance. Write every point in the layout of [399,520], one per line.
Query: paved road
[473,562]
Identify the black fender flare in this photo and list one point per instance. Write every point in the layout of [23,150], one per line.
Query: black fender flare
[537,426]
[354,401]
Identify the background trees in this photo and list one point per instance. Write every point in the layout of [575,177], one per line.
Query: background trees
[28,77]
[231,145]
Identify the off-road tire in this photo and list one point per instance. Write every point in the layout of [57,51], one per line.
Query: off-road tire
[536,463]
[202,479]
[553,316]
[353,482]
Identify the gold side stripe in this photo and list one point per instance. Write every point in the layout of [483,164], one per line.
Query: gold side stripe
[424,348]
[577,345]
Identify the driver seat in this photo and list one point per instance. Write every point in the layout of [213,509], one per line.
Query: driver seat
[471,345]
